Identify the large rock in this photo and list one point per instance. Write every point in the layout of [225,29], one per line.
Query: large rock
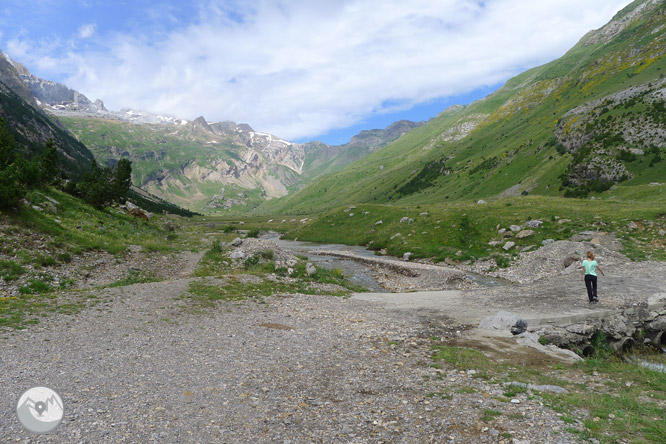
[508,246]
[237,242]
[502,320]
[536,223]
[237,255]
[524,233]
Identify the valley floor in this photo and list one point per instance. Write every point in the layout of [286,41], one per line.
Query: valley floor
[145,363]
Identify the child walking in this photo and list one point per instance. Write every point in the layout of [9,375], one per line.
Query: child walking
[590,268]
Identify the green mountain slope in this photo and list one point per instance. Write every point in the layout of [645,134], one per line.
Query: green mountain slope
[578,125]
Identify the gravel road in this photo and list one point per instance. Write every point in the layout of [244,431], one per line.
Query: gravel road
[144,367]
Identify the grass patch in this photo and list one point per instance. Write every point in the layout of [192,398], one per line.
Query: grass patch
[135,277]
[490,414]
[626,406]
[11,270]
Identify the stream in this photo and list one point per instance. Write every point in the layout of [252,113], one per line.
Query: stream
[355,272]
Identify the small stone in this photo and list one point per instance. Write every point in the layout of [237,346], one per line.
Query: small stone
[515,401]
[351,214]
[406,256]
[480,201]
[632,225]
[237,242]
[379,222]
[563,221]
[501,231]
[310,269]
[536,223]
[661,232]
[395,235]
[508,246]
[515,228]
[547,242]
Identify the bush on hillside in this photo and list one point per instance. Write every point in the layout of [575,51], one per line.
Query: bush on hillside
[102,186]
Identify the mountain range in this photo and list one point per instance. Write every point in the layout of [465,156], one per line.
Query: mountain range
[196,164]
[592,123]
[589,124]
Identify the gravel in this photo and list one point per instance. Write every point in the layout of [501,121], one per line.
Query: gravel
[150,367]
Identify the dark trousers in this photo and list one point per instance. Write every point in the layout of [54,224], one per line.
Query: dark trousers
[591,284]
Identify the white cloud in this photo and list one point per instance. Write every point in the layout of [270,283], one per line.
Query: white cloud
[301,68]
[87,31]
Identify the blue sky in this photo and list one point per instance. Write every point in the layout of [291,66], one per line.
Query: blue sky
[302,70]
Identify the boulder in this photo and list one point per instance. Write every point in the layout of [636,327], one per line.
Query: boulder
[237,242]
[519,327]
[524,233]
[239,254]
[310,269]
[536,223]
[570,260]
[515,228]
[501,231]
[508,245]
[502,320]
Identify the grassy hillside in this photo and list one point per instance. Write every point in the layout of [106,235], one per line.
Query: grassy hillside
[577,126]
[463,231]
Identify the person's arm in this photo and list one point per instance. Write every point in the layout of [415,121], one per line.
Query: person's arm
[582,271]
[602,271]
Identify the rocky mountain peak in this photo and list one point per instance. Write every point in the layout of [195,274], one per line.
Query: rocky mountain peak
[621,20]
[200,122]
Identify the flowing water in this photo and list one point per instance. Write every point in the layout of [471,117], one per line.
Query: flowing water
[357,273]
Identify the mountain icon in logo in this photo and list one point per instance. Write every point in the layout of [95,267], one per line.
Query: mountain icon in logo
[40,409]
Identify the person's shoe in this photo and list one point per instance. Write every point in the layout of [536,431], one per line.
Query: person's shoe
[595,300]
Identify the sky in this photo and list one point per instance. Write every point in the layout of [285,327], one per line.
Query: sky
[299,69]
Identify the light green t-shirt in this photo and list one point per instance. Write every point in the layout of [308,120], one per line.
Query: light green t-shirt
[590,267]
